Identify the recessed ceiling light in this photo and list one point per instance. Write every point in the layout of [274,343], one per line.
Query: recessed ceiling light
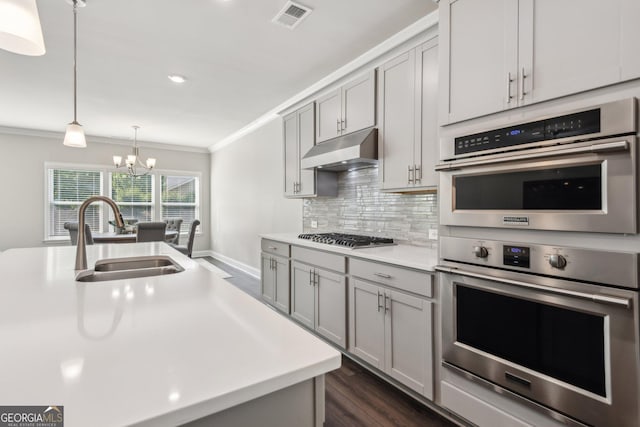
[176,78]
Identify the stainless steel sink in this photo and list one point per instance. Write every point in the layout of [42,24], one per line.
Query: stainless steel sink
[134,263]
[129,268]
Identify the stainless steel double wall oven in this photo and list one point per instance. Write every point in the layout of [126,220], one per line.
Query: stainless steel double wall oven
[554,326]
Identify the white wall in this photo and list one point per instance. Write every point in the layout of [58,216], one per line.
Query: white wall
[247,196]
[22,181]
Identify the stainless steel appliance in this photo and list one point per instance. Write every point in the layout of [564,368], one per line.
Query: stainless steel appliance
[350,241]
[572,172]
[556,326]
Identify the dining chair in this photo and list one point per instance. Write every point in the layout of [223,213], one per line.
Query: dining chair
[174,224]
[188,249]
[151,231]
[72,227]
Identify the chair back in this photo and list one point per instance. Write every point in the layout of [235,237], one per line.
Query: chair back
[72,227]
[192,236]
[151,231]
[174,224]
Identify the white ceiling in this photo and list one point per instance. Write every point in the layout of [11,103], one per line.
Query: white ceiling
[239,65]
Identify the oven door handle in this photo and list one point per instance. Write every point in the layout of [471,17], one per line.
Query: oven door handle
[552,151]
[603,299]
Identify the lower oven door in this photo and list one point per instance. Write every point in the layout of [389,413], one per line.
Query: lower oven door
[555,346]
[587,186]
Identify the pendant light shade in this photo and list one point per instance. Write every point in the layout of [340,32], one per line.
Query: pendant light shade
[20,30]
[74,137]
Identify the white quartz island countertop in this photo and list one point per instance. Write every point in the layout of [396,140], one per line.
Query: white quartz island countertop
[157,351]
[417,257]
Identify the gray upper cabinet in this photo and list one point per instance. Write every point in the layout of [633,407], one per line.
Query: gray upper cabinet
[503,54]
[408,88]
[347,109]
[299,138]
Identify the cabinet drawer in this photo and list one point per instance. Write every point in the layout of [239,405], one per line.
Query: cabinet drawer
[318,258]
[277,248]
[418,282]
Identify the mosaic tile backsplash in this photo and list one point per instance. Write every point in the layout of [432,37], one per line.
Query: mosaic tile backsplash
[361,208]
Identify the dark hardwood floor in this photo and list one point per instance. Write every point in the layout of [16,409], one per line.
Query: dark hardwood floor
[354,396]
[357,398]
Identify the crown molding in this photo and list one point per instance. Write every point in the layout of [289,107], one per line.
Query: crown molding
[7,130]
[414,30]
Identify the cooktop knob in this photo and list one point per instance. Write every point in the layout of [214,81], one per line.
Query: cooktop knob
[557,261]
[480,251]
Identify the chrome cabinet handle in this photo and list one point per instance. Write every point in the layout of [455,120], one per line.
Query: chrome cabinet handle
[337,125]
[379,305]
[509,81]
[417,174]
[344,124]
[384,276]
[273,248]
[387,301]
[310,279]
[316,277]
[522,92]
[603,299]
[410,174]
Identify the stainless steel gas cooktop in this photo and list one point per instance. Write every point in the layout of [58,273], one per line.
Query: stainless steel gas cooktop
[352,241]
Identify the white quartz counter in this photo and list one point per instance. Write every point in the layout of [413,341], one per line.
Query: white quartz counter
[148,351]
[410,256]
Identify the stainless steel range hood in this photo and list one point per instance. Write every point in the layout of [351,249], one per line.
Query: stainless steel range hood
[355,150]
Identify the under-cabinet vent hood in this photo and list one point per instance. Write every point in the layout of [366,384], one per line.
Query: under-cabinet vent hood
[352,151]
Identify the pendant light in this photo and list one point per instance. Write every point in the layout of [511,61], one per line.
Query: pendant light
[20,30]
[133,160]
[74,137]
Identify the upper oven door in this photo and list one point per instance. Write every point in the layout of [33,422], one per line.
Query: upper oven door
[587,186]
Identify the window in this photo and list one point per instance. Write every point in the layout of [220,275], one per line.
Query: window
[67,189]
[179,198]
[134,195]
[154,197]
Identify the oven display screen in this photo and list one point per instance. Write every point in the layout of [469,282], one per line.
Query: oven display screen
[517,256]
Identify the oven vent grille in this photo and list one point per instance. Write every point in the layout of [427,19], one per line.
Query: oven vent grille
[292,14]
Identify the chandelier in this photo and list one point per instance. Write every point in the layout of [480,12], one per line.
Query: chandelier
[134,165]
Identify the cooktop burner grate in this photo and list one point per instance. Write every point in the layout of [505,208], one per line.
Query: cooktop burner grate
[353,241]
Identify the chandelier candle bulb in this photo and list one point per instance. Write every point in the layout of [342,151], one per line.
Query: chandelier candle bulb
[117,161]
[151,163]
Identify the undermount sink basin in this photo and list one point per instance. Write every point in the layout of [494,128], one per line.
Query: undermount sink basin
[129,268]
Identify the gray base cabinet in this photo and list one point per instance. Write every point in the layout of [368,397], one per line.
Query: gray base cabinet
[318,301]
[275,275]
[392,331]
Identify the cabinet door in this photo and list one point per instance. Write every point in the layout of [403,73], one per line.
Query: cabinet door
[426,146]
[630,39]
[568,46]
[302,294]
[328,116]
[291,158]
[307,137]
[479,53]
[268,280]
[281,286]
[366,322]
[408,341]
[397,131]
[358,103]
[331,306]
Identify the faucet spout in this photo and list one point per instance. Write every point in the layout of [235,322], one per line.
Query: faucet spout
[81,251]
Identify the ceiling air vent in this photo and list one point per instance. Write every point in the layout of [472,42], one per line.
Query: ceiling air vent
[292,14]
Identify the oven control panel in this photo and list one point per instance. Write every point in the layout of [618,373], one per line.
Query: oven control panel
[596,266]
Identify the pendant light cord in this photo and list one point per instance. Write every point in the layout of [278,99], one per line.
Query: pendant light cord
[75,66]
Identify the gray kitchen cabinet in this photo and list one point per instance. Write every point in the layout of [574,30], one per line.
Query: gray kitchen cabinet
[299,138]
[408,145]
[507,53]
[347,109]
[392,330]
[275,275]
[319,295]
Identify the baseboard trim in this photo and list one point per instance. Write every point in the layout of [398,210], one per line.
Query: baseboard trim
[254,272]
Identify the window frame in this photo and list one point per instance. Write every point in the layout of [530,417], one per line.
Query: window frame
[105,177]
